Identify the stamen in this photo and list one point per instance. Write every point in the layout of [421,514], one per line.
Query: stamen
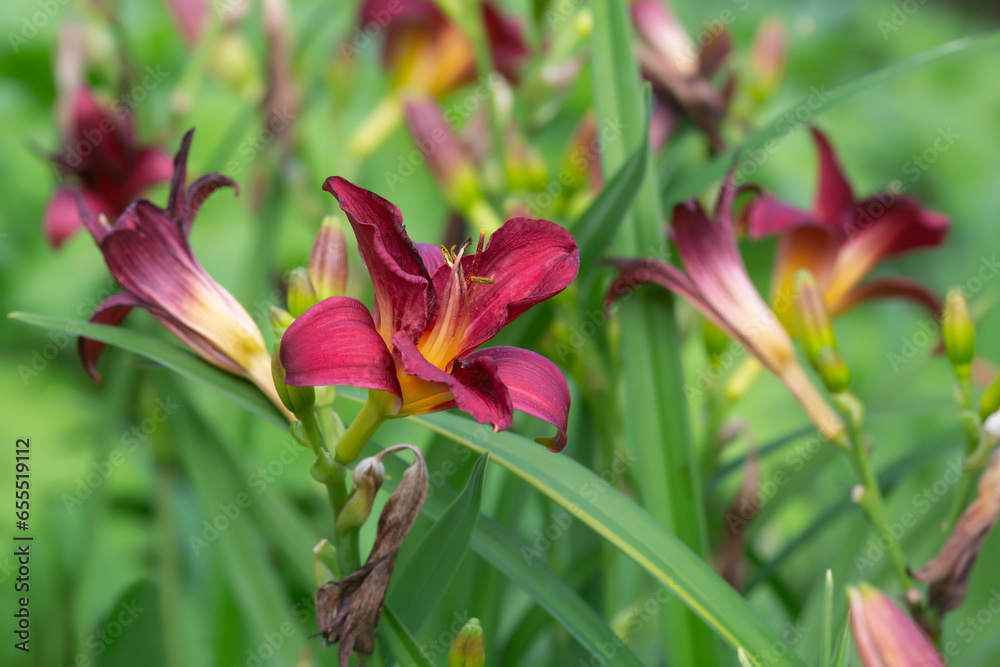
[480,280]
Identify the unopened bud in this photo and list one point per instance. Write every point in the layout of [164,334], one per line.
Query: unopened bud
[328,260]
[832,369]
[811,319]
[326,564]
[298,400]
[716,340]
[301,295]
[469,647]
[767,58]
[280,320]
[959,332]
[367,476]
[885,634]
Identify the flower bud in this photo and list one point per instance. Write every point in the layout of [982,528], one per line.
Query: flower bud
[325,565]
[885,634]
[367,476]
[301,295]
[811,319]
[469,647]
[298,400]
[328,260]
[280,320]
[767,58]
[832,369]
[716,340]
[990,401]
[959,332]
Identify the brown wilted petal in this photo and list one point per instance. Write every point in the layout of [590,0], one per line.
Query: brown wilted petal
[348,611]
[731,564]
[948,573]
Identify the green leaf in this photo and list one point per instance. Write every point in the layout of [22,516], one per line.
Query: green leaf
[419,583]
[827,618]
[843,653]
[596,227]
[626,525]
[521,565]
[655,407]
[175,358]
[699,180]
[401,642]
[136,615]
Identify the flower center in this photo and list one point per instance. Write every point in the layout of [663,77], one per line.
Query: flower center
[441,343]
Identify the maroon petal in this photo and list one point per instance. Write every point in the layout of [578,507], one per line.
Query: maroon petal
[890,288]
[833,197]
[911,226]
[198,192]
[475,384]
[767,215]
[335,343]
[112,311]
[536,387]
[176,200]
[633,273]
[507,43]
[528,261]
[62,217]
[403,300]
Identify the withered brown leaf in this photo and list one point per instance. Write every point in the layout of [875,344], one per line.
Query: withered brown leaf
[348,611]
[948,573]
[731,564]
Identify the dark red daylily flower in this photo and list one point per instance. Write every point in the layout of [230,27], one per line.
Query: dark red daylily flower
[433,308]
[148,253]
[102,157]
[428,52]
[681,73]
[841,240]
[718,285]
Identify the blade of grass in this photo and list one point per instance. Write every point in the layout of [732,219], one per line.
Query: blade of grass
[655,413]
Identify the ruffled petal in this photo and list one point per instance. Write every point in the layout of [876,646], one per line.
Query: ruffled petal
[536,386]
[62,217]
[475,385]
[176,200]
[112,311]
[768,215]
[403,298]
[528,261]
[335,343]
[889,288]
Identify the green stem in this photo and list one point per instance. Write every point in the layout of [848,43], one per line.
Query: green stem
[334,476]
[373,413]
[169,577]
[871,500]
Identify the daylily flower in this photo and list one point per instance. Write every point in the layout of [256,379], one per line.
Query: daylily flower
[885,635]
[841,240]
[717,284]
[681,73]
[101,155]
[148,253]
[433,308]
[427,53]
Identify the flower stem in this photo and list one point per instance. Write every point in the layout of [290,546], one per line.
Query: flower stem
[375,411]
[871,501]
[333,474]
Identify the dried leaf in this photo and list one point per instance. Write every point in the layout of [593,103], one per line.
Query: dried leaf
[948,573]
[731,564]
[348,611]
